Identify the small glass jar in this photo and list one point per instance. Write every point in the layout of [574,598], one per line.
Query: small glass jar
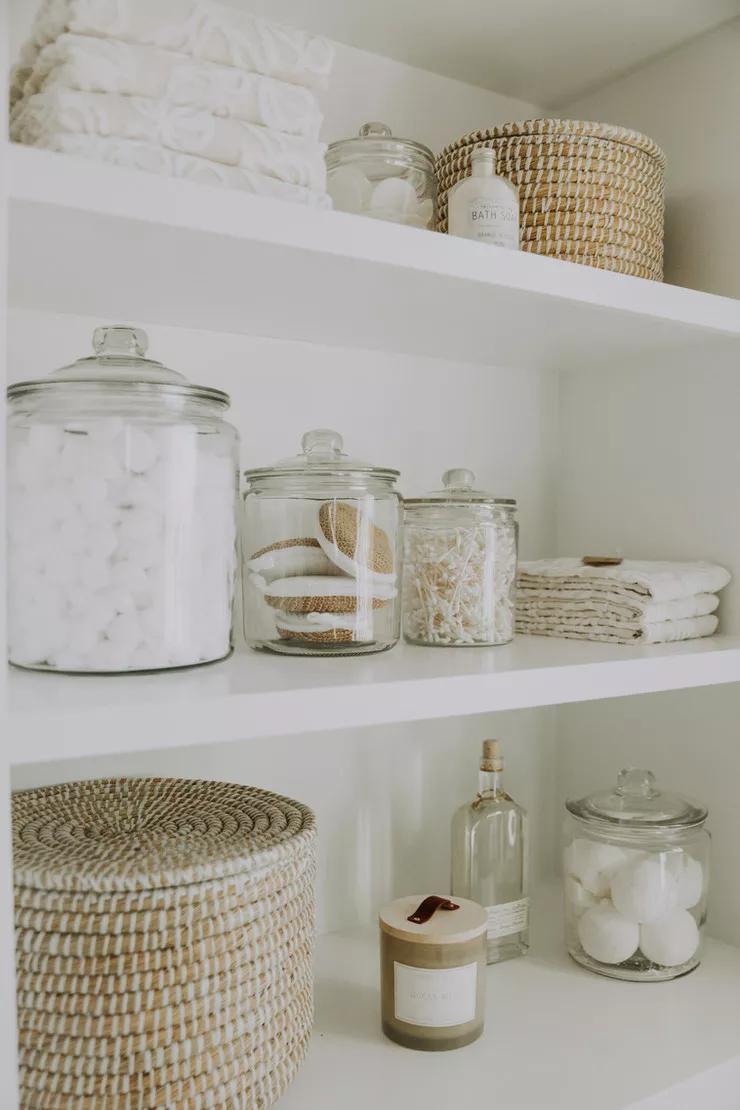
[380,176]
[459,566]
[322,550]
[636,868]
[122,494]
[433,972]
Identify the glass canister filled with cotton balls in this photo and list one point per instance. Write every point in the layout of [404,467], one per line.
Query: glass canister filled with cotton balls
[376,174]
[636,866]
[122,489]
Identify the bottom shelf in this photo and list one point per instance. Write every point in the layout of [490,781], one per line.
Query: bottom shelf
[556,1036]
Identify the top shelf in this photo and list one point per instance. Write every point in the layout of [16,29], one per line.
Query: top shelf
[184,255]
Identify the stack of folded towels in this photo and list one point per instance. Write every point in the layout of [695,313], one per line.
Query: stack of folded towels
[632,602]
[188,88]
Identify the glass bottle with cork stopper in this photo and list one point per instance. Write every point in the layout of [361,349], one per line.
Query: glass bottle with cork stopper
[490,859]
[484,206]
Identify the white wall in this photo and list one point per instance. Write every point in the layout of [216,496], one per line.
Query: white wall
[650,457]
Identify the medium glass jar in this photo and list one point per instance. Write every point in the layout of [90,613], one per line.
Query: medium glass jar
[122,491]
[433,972]
[636,868]
[380,176]
[321,548]
[459,566]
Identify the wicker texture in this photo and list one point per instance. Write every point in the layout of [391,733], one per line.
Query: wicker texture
[589,192]
[165,934]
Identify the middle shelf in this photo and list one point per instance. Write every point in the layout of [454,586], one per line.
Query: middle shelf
[255,695]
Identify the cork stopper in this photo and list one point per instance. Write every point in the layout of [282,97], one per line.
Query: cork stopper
[491,760]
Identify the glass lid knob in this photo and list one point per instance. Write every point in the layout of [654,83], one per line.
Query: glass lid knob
[458,479]
[322,441]
[120,341]
[637,784]
[375,131]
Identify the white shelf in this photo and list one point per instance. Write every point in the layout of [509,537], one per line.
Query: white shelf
[179,254]
[556,1038]
[255,695]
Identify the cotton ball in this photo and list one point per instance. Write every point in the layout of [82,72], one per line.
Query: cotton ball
[125,632]
[689,875]
[140,493]
[92,572]
[27,468]
[144,659]
[61,567]
[644,891]
[119,600]
[104,431]
[135,450]
[45,440]
[145,551]
[672,941]
[594,864]
[67,660]
[82,637]
[101,541]
[349,189]
[606,936]
[72,534]
[577,897]
[89,489]
[140,524]
[129,576]
[394,196]
[107,656]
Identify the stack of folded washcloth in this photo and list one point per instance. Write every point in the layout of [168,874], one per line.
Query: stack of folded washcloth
[188,88]
[633,601]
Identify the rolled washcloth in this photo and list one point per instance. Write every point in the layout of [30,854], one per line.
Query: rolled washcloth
[198,28]
[288,158]
[87,64]
[637,601]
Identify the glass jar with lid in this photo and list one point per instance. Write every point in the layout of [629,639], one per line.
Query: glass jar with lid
[636,866]
[459,566]
[122,493]
[321,548]
[384,177]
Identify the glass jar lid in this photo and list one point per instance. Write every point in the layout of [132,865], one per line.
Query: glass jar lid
[377,140]
[120,360]
[636,803]
[459,489]
[322,456]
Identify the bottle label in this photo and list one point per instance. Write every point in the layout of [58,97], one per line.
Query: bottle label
[508,918]
[425,996]
[493,223]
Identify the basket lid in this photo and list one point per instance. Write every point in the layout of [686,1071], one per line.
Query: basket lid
[144,834]
[636,803]
[580,128]
[438,920]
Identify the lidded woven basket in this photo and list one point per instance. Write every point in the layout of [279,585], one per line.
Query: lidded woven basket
[164,944]
[588,192]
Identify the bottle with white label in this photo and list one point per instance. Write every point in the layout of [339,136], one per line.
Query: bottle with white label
[490,863]
[485,207]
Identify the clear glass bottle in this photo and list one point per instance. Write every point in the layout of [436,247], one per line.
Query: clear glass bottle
[490,859]
[485,207]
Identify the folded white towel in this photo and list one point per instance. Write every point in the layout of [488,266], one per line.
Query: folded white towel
[288,158]
[606,608]
[658,580]
[155,159]
[658,632]
[198,28]
[89,64]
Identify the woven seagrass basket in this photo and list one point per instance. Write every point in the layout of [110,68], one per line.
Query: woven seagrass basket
[165,933]
[588,192]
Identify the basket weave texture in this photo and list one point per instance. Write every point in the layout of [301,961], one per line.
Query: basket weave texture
[588,192]
[164,953]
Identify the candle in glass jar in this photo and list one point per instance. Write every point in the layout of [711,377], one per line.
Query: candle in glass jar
[433,963]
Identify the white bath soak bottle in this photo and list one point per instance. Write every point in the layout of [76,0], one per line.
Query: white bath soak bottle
[485,207]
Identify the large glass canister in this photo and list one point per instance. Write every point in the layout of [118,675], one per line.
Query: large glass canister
[321,549]
[636,866]
[122,494]
[459,566]
[376,174]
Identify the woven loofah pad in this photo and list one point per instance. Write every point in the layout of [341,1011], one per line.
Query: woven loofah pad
[328,636]
[347,529]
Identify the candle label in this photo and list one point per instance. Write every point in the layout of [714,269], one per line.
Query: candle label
[493,223]
[508,918]
[426,996]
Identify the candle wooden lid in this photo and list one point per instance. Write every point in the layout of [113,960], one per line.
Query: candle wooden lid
[442,925]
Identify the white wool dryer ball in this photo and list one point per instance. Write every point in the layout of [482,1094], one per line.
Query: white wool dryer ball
[672,941]
[644,891]
[578,898]
[689,874]
[594,864]
[606,936]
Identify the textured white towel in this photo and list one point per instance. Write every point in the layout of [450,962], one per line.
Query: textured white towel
[660,581]
[198,28]
[659,632]
[288,158]
[546,604]
[89,64]
[154,159]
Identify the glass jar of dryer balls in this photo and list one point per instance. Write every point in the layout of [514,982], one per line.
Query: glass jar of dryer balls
[636,868]
[433,972]
[384,177]
[459,565]
[321,553]
[122,499]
